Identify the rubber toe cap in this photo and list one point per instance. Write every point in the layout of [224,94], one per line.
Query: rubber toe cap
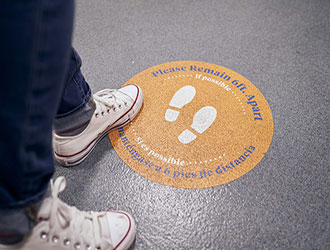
[131,90]
[122,229]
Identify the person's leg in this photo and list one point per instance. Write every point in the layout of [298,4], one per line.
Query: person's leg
[76,105]
[35,46]
[83,119]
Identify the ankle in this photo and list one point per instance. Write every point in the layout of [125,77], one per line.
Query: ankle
[73,123]
[73,130]
[16,223]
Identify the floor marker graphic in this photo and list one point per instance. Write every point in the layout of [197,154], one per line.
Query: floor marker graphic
[182,97]
[203,119]
[201,125]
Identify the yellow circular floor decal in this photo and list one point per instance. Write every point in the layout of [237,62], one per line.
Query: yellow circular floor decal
[201,125]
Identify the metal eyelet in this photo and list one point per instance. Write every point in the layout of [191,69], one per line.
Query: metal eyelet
[119,106]
[88,247]
[97,115]
[55,239]
[98,248]
[66,242]
[77,245]
[102,113]
[114,109]
[125,103]
[43,235]
[108,110]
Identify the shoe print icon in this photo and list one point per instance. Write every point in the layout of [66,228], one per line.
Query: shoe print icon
[202,120]
[182,97]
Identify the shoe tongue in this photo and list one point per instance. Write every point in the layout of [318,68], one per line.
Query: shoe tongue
[44,211]
[63,215]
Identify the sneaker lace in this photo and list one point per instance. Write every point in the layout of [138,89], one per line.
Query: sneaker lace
[81,224]
[109,100]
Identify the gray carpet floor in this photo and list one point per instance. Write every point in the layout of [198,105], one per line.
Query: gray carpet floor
[283,48]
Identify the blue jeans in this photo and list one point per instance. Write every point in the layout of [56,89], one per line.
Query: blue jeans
[43,89]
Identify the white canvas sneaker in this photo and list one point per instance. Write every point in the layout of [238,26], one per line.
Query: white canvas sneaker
[61,227]
[114,108]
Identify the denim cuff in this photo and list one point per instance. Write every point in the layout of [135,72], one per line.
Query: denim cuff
[75,122]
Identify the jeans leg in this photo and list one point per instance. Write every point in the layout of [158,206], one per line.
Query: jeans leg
[77,105]
[35,46]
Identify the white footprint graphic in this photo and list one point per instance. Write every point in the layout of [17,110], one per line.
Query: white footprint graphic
[182,97]
[203,119]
